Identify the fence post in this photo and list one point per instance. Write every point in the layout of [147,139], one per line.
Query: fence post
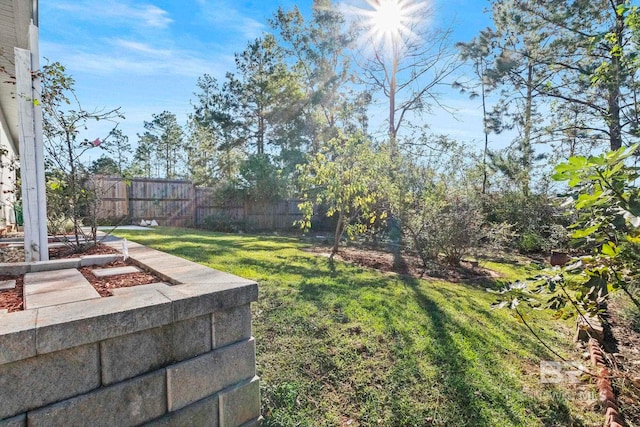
[193,204]
[130,200]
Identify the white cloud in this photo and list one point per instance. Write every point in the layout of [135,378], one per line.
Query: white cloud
[132,58]
[223,15]
[142,48]
[116,12]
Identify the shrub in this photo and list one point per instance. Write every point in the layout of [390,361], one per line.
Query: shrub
[530,242]
[451,228]
[537,222]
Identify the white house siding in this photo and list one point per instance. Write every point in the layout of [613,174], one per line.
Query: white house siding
[8,164]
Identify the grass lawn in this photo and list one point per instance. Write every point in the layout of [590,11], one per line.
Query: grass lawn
[342,345]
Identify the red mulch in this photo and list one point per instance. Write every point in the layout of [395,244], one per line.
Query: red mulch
[11,299]
[104,284]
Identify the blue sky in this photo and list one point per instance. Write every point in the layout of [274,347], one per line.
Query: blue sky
[146,56]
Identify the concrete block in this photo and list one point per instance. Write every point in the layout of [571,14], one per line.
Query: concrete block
[86,260]
[202,413]
[197,378]
[17,335]
[49,281]
[43,289]
[206,298]
[115,271]
[191,337]
[134,354]
[231,325]
[14,268]
[77,323]
[57,264]
[178,270]
[7,284]
[129,403]
[63,296]
[17,421]
[42,380]
[240,404]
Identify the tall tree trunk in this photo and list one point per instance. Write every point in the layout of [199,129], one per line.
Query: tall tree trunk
[526,140]
[337,235]
[615,129]
[392,108]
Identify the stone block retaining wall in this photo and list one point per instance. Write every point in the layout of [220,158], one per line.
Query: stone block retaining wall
[177,354]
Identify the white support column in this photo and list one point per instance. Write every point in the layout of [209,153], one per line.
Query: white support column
[41,182]
[31,158]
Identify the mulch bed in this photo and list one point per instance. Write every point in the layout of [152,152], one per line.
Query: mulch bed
[11,299]
[407,265]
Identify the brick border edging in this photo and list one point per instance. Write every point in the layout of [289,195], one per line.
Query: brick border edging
[607,397]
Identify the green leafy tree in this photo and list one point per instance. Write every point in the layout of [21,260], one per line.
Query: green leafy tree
[260,180]
[143,157]
[318,48]
[216,136]
[104,165]
[577,56]
[267,96]
[347,177]
[118,145]
[607,202]
[166,136]
[435,199]
[606,234]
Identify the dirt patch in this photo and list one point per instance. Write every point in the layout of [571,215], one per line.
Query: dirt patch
[12,300]
[410,265]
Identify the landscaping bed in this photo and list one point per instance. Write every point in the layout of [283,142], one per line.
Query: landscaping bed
[12,299]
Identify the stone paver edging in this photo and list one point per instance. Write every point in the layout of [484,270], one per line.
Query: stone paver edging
[607,397]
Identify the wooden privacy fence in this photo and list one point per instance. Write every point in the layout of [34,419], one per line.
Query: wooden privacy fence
[180,203]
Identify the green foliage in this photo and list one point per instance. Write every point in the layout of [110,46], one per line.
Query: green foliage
[347,176]
[536,220]
[260,180]
[606,201]
[161,146]
[580,58]
[104,166]
[434,199]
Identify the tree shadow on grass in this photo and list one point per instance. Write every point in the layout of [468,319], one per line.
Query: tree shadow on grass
[461,395]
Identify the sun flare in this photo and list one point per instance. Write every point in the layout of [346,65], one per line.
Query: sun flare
[389,24]
[388,17]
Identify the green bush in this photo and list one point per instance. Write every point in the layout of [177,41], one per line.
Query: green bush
[531,242]
[536,220]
